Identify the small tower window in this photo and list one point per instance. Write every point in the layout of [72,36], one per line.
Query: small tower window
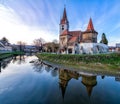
[62,27]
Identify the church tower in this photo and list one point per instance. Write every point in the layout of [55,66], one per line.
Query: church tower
[64,32]
[90,35]
[64,24]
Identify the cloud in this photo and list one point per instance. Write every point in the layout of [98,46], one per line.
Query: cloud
[30,19]
[14,28]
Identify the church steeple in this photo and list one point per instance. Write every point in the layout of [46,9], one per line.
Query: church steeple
[64,18]
[64,24]
[89,35]
[90,25]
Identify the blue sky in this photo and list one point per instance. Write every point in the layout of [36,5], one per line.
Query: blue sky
[26,20]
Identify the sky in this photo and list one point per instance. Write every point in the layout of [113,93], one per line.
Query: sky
[26,20]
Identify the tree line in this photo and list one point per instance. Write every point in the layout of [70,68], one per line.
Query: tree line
[42,46]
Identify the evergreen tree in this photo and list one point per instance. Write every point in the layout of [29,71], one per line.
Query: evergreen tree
[5,39]
[104,39]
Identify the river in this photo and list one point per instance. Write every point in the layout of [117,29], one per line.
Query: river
[25,80]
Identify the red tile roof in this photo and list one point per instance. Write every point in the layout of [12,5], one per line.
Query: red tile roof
[75,33]
[90,25]
[75,36]
[73,39]
[65,32]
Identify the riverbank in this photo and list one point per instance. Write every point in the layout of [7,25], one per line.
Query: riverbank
[10,54]
[102,63]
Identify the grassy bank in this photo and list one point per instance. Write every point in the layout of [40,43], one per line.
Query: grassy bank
[9,54]
[101,62]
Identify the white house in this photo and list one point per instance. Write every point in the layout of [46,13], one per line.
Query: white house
[5,48]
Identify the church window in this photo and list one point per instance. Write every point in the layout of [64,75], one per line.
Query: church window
[62,27]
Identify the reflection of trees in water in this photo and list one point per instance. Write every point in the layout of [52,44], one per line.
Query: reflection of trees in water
[39,66]
[47,68]
[4,63]
[14,59]
[117,78]
[0,66]
[54,72]
[30,53]
[19,59]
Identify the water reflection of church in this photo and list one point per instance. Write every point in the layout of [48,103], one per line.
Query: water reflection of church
[87,85]
[66,75]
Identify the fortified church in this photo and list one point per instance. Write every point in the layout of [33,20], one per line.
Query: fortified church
[79,42]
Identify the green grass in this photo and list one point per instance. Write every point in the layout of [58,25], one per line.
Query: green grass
[9,54]
[5,55]
[97,62]
[18,53]
[113,58]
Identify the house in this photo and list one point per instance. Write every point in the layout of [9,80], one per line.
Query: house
[30,48]
[118,47]
[79,42]
[5,47]
[112,48]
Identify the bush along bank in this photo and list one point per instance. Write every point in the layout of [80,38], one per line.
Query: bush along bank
[97,62]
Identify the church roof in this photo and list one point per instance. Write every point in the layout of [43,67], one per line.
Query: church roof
[65,32]
[74,36]
[64,18]
[90,27]
[73,39]
[75,33]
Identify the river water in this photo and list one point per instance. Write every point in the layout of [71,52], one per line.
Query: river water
[25,80]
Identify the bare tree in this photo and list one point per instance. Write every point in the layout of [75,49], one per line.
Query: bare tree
[21,45]
[39,43]
[52,47]
[55,45]
[55,41]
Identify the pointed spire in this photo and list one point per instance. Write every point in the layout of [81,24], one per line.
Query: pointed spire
[64,18]
[89,90]
[89,82]
[64,14]
[63,89]
[90,25]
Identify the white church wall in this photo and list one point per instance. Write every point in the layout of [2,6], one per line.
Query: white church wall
[92,48]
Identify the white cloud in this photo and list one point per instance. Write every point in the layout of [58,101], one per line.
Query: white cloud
[26,20]
[13,28]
